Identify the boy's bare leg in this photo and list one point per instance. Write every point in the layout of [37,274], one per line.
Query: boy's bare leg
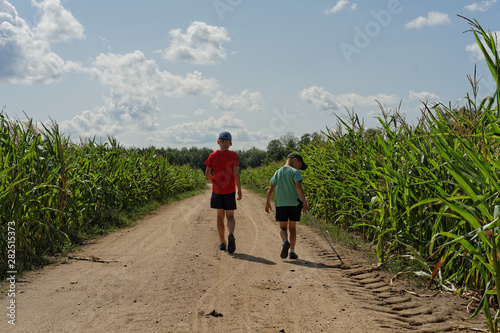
[231,247]
[293,233]
[284,235]
[283,231]
[231,222]
[220,225]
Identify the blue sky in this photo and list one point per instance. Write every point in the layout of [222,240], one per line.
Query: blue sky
[176,73]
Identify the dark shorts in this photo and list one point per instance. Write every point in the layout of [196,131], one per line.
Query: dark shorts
[287,213]
[223,201]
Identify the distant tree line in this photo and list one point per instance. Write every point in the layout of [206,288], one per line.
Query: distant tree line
[277,149]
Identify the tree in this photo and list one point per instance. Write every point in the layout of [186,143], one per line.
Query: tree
[251,158]
[305,140]
[290,143]
[275,150]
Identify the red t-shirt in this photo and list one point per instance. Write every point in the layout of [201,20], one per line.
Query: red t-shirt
[222,162]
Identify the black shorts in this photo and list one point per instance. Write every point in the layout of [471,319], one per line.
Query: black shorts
[223,201]
[287,213]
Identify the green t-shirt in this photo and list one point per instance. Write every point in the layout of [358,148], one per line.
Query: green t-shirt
[286,193]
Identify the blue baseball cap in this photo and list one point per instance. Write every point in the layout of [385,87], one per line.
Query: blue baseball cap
[225,135]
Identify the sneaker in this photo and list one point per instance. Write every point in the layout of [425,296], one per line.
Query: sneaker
[284,250]
[231,247]
[293,255]
[222,246]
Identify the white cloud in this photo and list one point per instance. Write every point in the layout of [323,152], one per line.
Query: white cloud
[341,4]
[423,96]
[320,98]
[25,58]
[475,50]
[133,74]
[201,44]
[245,101]
[89,124]
[324,100]
[135,83]
[206,131]
[481,6]
[56,24]
[432,19]
[119,114]
[195,84]
[354,100]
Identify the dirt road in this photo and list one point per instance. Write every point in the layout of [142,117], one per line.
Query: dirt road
[166,274]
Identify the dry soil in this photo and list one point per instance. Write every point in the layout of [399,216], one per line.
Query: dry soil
[166,274]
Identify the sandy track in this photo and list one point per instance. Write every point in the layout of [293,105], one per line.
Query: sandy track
[166,274]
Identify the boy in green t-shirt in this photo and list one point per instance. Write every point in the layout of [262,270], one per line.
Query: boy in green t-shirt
[287,182]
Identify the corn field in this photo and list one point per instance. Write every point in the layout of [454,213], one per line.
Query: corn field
[54,191]
[426,194]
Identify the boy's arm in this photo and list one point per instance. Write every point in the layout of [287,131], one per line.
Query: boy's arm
[269,196]
[237,180]
[300,191]
[208,173]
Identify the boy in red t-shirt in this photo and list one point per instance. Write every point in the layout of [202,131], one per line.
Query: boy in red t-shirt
[224,164]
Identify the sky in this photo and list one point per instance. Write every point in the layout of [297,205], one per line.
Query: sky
[176,73]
